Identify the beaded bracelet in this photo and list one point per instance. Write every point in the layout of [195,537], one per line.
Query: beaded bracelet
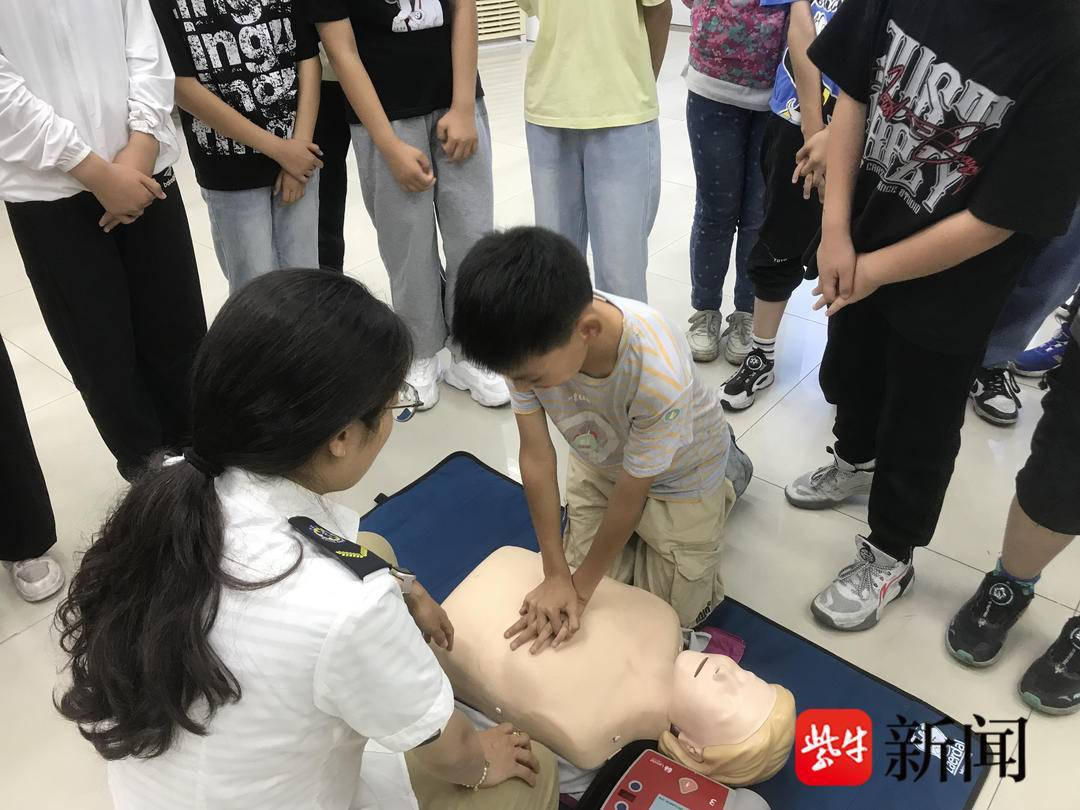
[483,778]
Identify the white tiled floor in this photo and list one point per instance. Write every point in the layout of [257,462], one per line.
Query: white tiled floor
[778,556]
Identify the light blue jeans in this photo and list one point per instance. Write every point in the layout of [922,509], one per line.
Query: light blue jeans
[603,186]
[255,232]
[1049,278]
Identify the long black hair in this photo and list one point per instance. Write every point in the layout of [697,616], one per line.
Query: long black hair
[291,360]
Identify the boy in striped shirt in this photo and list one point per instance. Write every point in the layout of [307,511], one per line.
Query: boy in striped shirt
[648,489]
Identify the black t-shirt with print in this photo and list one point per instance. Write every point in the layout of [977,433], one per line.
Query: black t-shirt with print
[246,53]
[405,48]
[971,104]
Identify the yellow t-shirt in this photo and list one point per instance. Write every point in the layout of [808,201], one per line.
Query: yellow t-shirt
[591,66]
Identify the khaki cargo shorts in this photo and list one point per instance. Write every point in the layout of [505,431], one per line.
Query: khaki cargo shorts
[675,552]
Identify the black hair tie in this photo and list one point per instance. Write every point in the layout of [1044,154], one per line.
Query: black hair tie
[208,468]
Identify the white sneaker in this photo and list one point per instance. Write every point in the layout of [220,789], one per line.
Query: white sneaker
[830,485]
[857,597]
[424,377]
[486,387]
[738,338]
[704,335]
[36,579]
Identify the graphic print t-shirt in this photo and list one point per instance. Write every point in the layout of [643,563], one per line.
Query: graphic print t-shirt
[405,48]
[972,105]
[652,416]
[245,52]
[785,101]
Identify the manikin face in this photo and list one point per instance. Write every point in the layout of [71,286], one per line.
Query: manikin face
[716,702]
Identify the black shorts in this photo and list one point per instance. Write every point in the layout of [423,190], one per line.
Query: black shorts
[791,224]
[1048,487]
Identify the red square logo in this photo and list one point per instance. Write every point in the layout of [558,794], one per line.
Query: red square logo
[833,747]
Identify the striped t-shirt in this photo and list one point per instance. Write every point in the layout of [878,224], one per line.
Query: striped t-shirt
[651,416]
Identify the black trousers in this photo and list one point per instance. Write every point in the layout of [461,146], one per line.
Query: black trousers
[904,405]
[29,529]
[125,311]
[333,136]
[1048,486]
[791,223]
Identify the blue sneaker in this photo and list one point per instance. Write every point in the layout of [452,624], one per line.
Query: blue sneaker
[1036,362]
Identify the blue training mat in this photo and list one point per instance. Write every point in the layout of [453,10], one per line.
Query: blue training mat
[443,525]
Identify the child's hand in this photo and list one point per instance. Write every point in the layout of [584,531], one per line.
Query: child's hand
[550,615]
[298,158]
[289,188]
[865,282]
[430,617]
[457,131]
[810,163]
[836,267]
[410,167]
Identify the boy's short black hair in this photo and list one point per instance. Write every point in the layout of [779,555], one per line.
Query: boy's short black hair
[519,293]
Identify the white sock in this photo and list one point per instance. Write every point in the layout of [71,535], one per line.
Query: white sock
[766,345]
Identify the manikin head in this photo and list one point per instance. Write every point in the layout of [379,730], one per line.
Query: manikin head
[728,724]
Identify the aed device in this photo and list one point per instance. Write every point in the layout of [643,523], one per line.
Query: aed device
[655,782]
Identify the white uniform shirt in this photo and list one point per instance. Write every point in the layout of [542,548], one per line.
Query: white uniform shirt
[325,662]
[78,76]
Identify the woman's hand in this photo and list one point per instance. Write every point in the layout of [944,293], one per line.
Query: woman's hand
[430,617]
[810,163]
[509,756]
[457,131]
[410,167]
[550,615]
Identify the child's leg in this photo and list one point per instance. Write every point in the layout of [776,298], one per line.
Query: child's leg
[917,442]
[1046,513]
[405,227]
[752,210]
[718,143]
[167,314]
[679,558]
[622,194]
[556,164]
[242,226]
[464,201]
[31,529]
[334,138]
[296,228]
[587,496]
[81,286]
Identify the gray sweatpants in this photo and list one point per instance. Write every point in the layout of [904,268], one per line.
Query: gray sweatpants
[461,203]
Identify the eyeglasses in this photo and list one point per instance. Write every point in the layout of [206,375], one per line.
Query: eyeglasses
[408,402]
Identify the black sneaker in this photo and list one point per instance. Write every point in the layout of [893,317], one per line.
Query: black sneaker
[977,632]
[1052,684]
[755,373]
[994,395]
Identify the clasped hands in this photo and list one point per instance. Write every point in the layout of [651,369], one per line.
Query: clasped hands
[844,277]
[550,614]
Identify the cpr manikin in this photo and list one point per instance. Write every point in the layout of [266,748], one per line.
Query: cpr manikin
[620,679]
[729,724]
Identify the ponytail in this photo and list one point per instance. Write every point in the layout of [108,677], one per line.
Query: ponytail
[291,359]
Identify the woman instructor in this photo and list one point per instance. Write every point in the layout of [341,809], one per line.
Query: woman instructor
[219,659]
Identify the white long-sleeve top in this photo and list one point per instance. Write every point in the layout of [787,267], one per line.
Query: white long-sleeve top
[78,76]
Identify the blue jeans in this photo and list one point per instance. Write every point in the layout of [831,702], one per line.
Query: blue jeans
[1049,278]
[603,186]
[255,232]
[725,142]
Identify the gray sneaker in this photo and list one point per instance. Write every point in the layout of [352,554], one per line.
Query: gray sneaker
[830,485]
[704,335]
[738,338]
[857,597]
[740,469]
